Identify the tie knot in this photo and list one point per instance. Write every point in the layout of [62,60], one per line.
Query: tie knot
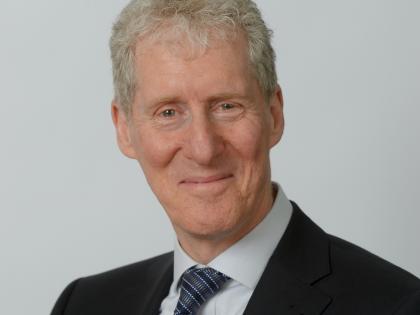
[198,285]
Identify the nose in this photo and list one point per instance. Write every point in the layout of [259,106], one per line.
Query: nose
[203,141]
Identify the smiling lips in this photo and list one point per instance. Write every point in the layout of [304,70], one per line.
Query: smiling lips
[205,180]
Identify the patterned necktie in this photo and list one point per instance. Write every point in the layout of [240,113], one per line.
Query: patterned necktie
[198,285]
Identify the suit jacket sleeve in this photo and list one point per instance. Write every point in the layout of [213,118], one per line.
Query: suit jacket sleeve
[410,306]
[61,304]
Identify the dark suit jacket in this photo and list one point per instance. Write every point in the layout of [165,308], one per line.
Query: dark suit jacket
[310,272]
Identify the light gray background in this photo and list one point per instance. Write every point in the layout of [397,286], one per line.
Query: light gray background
[72,205]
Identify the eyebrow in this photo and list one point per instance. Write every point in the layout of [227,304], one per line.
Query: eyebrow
[211,99]
[223,96]
[164,100]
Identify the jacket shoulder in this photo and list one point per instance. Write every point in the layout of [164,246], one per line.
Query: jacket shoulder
[130,274]
[358,275]
[103,292]
[354,260]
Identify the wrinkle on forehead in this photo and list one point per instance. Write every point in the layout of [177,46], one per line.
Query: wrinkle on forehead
[222,68]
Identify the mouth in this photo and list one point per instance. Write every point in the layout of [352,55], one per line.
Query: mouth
[202,180]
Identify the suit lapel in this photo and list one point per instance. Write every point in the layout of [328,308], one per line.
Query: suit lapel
[158,290]
[299,261]
[150,287]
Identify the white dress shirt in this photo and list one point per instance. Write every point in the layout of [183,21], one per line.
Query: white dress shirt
[244,262]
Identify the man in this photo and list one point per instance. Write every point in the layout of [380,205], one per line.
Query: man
[198,105]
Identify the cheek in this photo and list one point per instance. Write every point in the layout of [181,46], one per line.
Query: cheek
[250,150]
[250,141]
[152,150]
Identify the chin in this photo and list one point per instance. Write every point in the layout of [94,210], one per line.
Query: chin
[211,228]
[208,219]
[208,233]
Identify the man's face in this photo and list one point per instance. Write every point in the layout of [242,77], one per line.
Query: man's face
[201,131]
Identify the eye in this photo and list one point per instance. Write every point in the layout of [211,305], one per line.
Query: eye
[169,116]
[168,113]
[227,106]
[228,111]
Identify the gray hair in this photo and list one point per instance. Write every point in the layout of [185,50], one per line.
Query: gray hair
[197,19]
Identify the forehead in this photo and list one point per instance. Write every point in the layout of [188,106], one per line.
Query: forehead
[179,65]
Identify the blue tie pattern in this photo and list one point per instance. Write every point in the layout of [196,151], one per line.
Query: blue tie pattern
[198,285]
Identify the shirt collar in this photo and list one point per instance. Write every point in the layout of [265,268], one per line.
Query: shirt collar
[246,260]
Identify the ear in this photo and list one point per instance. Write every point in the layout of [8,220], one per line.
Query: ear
[276,117]
[122,130]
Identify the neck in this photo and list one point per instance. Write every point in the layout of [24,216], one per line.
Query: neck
[203,249]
